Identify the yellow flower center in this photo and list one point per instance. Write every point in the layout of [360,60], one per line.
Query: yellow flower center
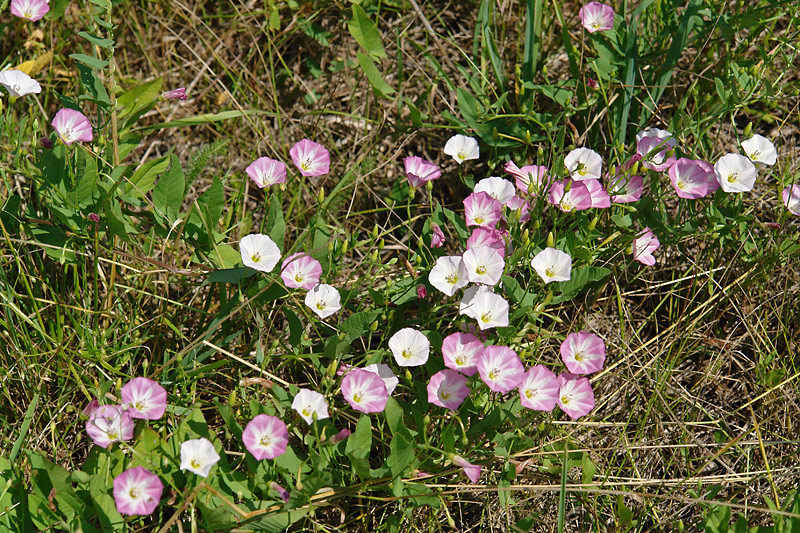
[255,258]
[479,220]
[578,356]
[481,270]
[530,393]
[732,177]
[460,361]
[443,394]
[452,279]
[406,353]
[320,305]
[266,441]
[195,463]
[134,493]
[357,398]
[486,317]
[298,278]
[549,272]
[565,399]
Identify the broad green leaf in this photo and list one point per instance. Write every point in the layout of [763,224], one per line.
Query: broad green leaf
[366,33]
[579,278]
[374,75]
[231,275]
[401,454]
[90,61]
[93,85]
[132,103]
[275,222]
[94,39]
[358,447]
[207,118]
[225,256]
[145,176]
[169,190]
[358,324]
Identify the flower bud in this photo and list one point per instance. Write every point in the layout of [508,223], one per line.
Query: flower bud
[375,231]
[747,129]
[321,195]
[594,222]
[526,237]
[345,246]
[551,241]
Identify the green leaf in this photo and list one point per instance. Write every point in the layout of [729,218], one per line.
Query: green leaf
[207,118]
[721,92]
[579,278]
[230,275]
[401,454]
[275,222]
[144,178]
[90,61]
[366,33]
[169,190]
[374,75]
[394,416]
[225,256]
[93,85]
[136,101]
[94,39]
[357,324]
[358,447]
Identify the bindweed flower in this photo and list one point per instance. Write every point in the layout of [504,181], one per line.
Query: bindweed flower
[480,209]
[365,391]
[575,395]
[493,238]
[437,236]
[473,472]
[592,83]
[198,456]
[343,434]
[323,299]
[145,398]
[420,171]
[465,306]
[312,159]
[599,196]
[410,347]
[310,405]
[791,199]
[137,491]
[690,178]
[577,198]
[652,146]
[422,292]
[489,309]
[644,244]
[259,251]
[46,143]
[461,352]
[530,179]
[760,150]
[462,148]
[626,189]
[447,388]
[283,494]
[109,424]
[72,126]
[596,16]
[175,94]
[583,352]
[484,265]
[91,407]
[498,188]
[500,368]
[735,173]
[713,184]
[266,436]
[384,372]
[538,389]
[520,205]
[266,172]
[300,271]
[449,274]
[32,10]
[584,164]
[17,83]
[552,265]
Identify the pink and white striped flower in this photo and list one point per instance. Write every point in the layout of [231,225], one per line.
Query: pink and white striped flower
[791,199]
[480,209]
[310,158]
[266,172]
[420,171]
[577,198]
[493,238]
[365,391]
[643,246]
[259,251]
[596,16]
[473,472]
[575,395]
[447,388]
[266,436]
[600,197]
[538,389]
[32,10]
[652,146]
[72,126]
[461,352]
[583,352]
[109,424]
[300,271]
[500,368]
[437,236]
[384,372]
[145,398]
[137,491]
[530,179]
[690,178]
[626,189]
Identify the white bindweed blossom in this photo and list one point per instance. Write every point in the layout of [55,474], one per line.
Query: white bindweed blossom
[410,347]
[259,252]
[198,456]
[584,164]
[552,265]
[760,150]
[490,310]
[17,83]
[735,173]
[484,264]
[462,148]
[465,306]
[449,274]
[323,299]
[385,373]
[310,405]
[496,187]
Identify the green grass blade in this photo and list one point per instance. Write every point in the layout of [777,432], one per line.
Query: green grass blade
[26,425]
[533,37]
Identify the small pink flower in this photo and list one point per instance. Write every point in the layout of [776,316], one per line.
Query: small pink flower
[652,145]
[175,94]
[480,209]
[596,17]
[422,292]
[791,199]
[266,172]
[437,236]
[644,244]
[145,398]
[343,434]
[461,352]
[599,196]
[32,10]
[591,83]
[500,368]
[71,126]
[265,437]
[530,179]
[109,424]
[520,205]
[493,238]
[137,491]
[46,143]
[575,395]
[689,178]
[447,388]
[312,159]
[577,198]
[583,352]
[420,171]
[283,494]
[300,271]
[625,189]
[539,389]
[473,472]
[364,391]
[484,265]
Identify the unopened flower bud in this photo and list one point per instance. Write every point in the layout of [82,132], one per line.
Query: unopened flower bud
[526,237]
[374,326]
[594,222]
[376,231]
[321,195]
[345,246]
[747,129]
[175,94]
[567,186]
[381,244]
[551,241]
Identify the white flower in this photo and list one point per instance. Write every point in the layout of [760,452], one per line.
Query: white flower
[17,83]
[584,164]
[735,173]
[484,264]
[259,252]
[308,403]
[490,310]
[760,150]
[465,307]
[323,300]
[552,265]
[449,274]
[198,456]
[461,148]
[410,347]
[498,188]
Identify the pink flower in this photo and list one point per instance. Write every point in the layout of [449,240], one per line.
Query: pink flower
[145,398]
[71,126]
[18,84]
[137,491]
[32,10]
[577,198]
[447,388]
[584,164]
[300,271]
[791,199]
[652,145]
[343,434]
[473,472]
[599,196]
[591,83]
[422,292]
[689,178]
[266,172]
[91,407]
[175,94]
[521,205]
[312,159]
[283,494]
[539,389]
[265,437]
[596,17]
[437,236]
[108,424]
[625,189]
[500,368]
[461,352]
[498,188]
[575,395]
[530,179]
[493,238]
[420,171]
[644,244]
[480,209]
[713,184]
[583,352]
[484,265]
[364,391]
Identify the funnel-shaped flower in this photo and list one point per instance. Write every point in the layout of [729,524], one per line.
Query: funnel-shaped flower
[760,150]
[462,148]
[493,238]
[447,388]
[145,398]
[32,10]
[384,372]
[498,188]
[530,179]
[364,391]
[266,172]
[300,271]
[600,197]
[690,178]
[625,189]
[312,159]
[552,265]
[310,405]
[449,274]
[489,309]
[137,491]
[643,246]
[652,146]
[584,164]
[461,352]
[791,199]
[735,173]
[323,299]
[410,347]
[583,352]
[575,395]
[72,126]
[17,83]
[596,16]
[259,252]
[480,209]
[266,436]
[473,472]
[577,198]
[538,389]
[484,265]
[108,424]
[500,368]
[419,171]
[198,456]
